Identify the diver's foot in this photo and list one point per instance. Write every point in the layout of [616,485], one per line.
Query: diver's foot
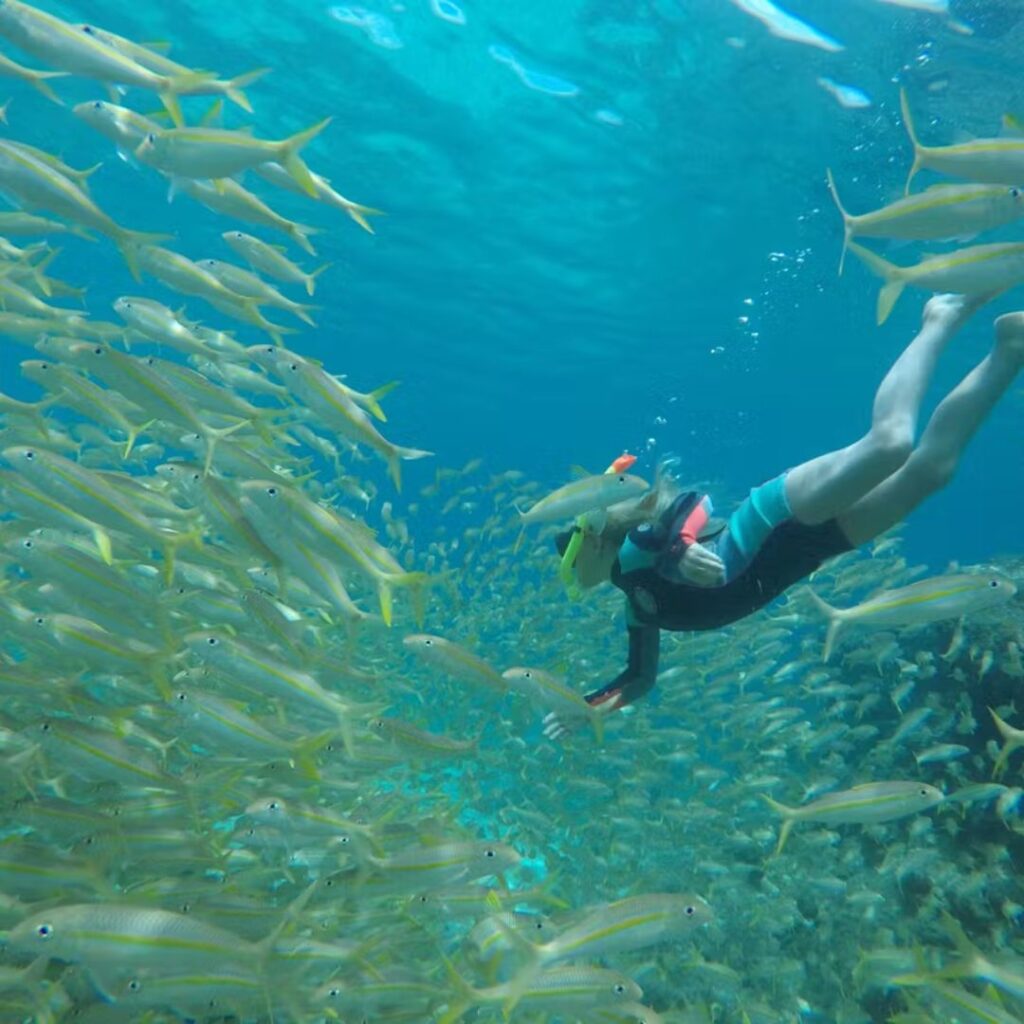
[949,311]
[1010,334]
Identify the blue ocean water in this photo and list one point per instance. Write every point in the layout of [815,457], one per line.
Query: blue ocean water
[607,224]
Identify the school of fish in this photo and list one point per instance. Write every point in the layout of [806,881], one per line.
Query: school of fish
[271,746]
[992,197]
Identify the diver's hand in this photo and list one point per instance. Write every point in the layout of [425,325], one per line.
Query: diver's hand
[702,567]
[557,725]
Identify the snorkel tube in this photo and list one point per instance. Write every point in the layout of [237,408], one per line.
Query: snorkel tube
[567,566]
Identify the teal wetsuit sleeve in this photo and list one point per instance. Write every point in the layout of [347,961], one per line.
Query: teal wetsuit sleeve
[640,673]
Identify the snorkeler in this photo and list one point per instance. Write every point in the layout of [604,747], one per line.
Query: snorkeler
[680,569]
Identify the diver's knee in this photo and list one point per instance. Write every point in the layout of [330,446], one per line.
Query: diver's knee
[890,446]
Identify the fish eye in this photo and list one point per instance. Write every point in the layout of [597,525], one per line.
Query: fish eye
[134,985]
[151,137]
[273,806]
[428,643]
[88,29]
[689,911]
[97,105]
[44,366]
[212,641]
[622,479]
[993,583]
[489,853]
[344,840]
[44,931]
[1015,192]
[922,792]
[272,491]
[98,350]
[45,727]
[39,620]
[539,926]
[30,455]
[27,544]
[619,989]
[181,697]
[527,675]
[333,993]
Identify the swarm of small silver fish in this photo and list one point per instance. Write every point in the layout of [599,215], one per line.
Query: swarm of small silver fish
[270,743]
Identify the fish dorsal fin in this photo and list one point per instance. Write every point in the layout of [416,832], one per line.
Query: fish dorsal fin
[578,472]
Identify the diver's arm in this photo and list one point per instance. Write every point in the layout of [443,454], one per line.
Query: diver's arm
[637,679]
[639,675]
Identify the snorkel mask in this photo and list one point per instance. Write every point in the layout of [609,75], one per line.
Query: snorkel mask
[570,541]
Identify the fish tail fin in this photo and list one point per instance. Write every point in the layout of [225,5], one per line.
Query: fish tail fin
[385,597]
[1011,740]
[887,298]
[44,88]
[291,913]
[306,751]
[908,123]
[170,101]
[103,545]
[372,400]
[413,453]
[395,470]
[415,581]
[132,436]
[464,995]
[835,622]
[311,278]
[359,213]
[299,234]
[597,721]
[158,676]
[302,312]
[215,434]
[974,962]
[292,162]
[82,176]
[788,815]
[847,229]
[395,457]
[894,283]
[238,83]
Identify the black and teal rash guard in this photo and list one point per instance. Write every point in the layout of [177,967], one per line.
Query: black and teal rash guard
[765,551]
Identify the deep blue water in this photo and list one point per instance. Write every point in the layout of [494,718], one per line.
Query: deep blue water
[583,200]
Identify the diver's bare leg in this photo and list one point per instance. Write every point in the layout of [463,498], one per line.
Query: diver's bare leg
[956,419]
[823,487]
